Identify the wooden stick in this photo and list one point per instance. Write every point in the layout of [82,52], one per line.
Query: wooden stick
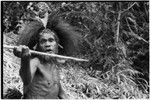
[47,54]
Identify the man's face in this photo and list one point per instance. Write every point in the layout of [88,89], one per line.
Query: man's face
[48,44]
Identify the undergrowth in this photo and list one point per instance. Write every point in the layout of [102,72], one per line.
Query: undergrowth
[77,81]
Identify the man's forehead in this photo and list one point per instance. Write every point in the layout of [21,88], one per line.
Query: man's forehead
[47,31]
[47,35]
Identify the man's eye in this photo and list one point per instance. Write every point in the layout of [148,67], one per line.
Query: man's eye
[42,41]
[51,40]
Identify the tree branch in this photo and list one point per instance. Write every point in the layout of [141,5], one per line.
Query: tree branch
[128,7]
[118,26]
[118,23]
[133,34]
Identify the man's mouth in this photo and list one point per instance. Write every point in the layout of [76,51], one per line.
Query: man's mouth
[49,51]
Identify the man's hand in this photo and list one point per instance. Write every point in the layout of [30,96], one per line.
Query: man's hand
[21,51]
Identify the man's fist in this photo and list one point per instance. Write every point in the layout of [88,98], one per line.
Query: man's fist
[21,51]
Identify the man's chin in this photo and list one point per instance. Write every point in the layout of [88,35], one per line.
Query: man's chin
[47,58]
[50,52]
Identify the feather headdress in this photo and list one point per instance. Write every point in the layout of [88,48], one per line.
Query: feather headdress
[69,38]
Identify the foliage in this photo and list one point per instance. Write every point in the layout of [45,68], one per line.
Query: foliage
[116,39]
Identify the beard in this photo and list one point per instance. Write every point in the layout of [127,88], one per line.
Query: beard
[47,59]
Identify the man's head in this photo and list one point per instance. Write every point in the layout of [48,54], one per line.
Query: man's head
[47,41]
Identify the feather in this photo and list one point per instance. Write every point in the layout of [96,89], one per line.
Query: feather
[68,36]
[28,36]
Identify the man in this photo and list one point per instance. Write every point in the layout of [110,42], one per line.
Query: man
[40,74]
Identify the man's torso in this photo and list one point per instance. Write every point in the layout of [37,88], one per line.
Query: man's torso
[45,83]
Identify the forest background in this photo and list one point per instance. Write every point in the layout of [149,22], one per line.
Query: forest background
[116,41]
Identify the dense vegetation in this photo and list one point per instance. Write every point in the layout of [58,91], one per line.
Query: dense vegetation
[116,41]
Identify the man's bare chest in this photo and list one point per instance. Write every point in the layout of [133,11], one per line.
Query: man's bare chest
[45,80]
[48,71]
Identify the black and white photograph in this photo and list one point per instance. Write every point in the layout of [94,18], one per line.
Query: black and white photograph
[75,50]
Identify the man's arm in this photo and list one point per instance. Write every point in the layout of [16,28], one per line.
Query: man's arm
[28,67]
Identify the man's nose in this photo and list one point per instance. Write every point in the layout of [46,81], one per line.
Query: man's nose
[47,44]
